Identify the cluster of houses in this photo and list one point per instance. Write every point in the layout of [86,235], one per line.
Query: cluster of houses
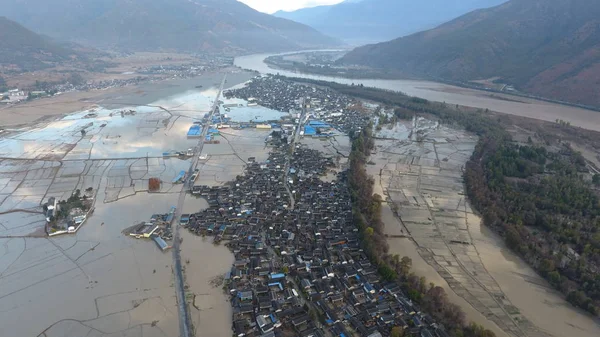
[66,216]
[18,95]
[325,105]
[299,267]
[158,229]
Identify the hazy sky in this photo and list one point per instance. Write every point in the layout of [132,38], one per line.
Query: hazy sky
[272,6]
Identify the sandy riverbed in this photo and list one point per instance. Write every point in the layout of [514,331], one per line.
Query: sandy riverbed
[448,246]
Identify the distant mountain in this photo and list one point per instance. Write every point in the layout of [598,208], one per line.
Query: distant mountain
[381,20]
[546,47]
[175,25]
[24,50]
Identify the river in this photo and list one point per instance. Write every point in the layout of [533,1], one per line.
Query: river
[434,91]
[539,311]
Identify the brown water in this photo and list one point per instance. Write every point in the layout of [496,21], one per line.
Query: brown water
[537,309]
[97,278]
[205,262]
[99,282]
[433,91]
[407,247]
[534,297]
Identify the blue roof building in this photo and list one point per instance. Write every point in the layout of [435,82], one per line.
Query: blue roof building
[309,130]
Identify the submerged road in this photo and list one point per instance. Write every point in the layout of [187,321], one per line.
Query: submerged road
[185,324]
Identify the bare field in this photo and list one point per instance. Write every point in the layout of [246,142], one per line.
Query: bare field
[420,173]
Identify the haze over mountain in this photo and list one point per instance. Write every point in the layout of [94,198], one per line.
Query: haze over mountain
[546,47]
[381,20]
[24,50]
[178,25]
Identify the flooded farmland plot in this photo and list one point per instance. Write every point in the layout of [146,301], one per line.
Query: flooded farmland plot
[98,281]
[93,283]
[419,171]
[221,163]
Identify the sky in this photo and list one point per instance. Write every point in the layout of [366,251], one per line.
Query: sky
[272,6]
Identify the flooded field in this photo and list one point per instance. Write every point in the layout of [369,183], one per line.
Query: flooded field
[94,283]
[99,282]
[418,168]
[433,91]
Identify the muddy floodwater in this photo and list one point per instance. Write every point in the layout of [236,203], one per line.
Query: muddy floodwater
[433,91]
[418,168]
[94,283]
[98,281]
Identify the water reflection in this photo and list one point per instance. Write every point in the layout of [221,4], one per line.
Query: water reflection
[131,131]
[450,94]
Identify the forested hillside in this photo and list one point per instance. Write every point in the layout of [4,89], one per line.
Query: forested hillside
[24,50]
[367,21]
[174,25]
[550,48]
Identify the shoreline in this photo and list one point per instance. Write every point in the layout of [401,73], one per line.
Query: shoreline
[440,92]
[40,110]
[275,66]
[469,272]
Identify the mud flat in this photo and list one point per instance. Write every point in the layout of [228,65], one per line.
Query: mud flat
[146,93]
[205,265]
[420,175]
[97,282]
[228,159]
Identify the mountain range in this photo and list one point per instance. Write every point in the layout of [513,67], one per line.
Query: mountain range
[170,25]
[363,21]
[24,50]
[549,48]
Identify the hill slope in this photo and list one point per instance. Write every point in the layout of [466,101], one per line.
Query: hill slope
[179,25]
[546,47]
[24,50]
[381,20]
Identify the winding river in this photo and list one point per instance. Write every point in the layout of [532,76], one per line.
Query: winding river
[587,119]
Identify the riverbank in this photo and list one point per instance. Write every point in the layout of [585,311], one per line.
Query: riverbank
[422,180]
[365,73]
[44,109]
[439,92]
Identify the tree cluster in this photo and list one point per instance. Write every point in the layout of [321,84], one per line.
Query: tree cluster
[367,215]
[536,199]
[3,85]
[546,211]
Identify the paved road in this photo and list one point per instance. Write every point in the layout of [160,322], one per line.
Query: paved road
[185,325]
[295,138]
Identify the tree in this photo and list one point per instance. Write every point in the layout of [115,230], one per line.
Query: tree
[547,266]
[596,179]
[475,330]
[76,79]
[369,231]
[3,86]
[397,331]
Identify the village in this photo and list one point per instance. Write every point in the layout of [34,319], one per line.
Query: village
[142,74]
[299,266]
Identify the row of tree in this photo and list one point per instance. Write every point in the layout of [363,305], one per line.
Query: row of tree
[367,214]
[536,199]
